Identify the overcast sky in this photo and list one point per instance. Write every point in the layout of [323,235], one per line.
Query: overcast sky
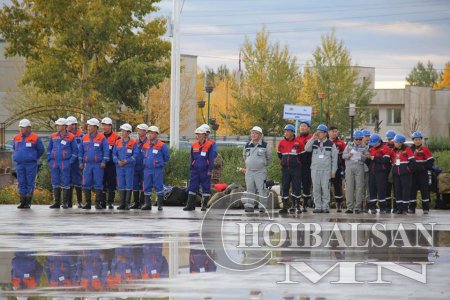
[390,35]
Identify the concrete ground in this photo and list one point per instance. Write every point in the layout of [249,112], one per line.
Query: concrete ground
[120,241]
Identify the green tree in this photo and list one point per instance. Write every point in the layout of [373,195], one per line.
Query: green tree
[270,79]
[331,72]
[102,51]
[422,75]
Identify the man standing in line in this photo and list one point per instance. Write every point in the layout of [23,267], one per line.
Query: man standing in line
[323,167]
[305,158]
[110,177]
[75,173]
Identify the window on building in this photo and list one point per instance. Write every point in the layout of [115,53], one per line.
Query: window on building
[394,116]
[373,116]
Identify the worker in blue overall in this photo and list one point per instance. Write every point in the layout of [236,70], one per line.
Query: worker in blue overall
[76,175]
[124,156]
[62,153]
[156,156]
[93,155]
[28,148]
[201,167]
[110,177]
[138,177]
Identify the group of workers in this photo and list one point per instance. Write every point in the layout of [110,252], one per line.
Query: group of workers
[108,161]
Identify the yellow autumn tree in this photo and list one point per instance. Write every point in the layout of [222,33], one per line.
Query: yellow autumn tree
[445,79]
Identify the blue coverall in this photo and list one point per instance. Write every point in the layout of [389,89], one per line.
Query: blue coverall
[93,151]
[202,163]
[110,177]
[156,156]
[138,178]
[27,150]
[76,174]
[125,150]
[62,153]
[25,271]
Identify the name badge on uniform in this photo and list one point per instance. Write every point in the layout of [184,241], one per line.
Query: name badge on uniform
[154,271]
[203,153]
[127,271]
[94,276]
[96,145]
[110,147]
[202,270]
[63,142]
[61,278]
[26,275]
[129,150]
[155,151]
[321,156]
[293,150]
[397,162]
[28,145]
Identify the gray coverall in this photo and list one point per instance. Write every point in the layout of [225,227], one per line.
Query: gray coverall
[355,175]
[257,158]
[324,164]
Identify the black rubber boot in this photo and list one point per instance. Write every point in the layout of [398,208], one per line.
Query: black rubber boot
[284,210]
[382,207]
[87,198]
[111,196]
[297,206]
[160,202]
[339,207]
[305,204]
[70,199]
[122,195]
[205,201]
[28,199]
[66,197]
[190,205]
[137,200]
[79,193]
[148,202]
[57,198]
[23,202]
[98,199]
[102,200]
[128,200]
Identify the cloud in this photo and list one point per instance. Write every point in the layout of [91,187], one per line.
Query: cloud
[397,28]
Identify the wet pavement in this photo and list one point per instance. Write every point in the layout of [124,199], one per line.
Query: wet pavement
[161,255]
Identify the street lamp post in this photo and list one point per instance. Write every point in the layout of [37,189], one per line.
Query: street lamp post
[352,114]
[321,96]
[209,90]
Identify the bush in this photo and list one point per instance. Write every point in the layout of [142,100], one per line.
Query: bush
[43,178]
[9,195]
[439,144]
[177,169]
[442,160]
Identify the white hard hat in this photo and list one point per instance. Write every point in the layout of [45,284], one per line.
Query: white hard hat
[107,121]
[93,122]
[154,129]
[200,129]
[206,127]
[61,121]
[257,128]
[24,123]
[143,127]
[126,127]
[71,120]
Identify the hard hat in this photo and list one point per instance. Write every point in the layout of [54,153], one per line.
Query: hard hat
[61,121]
[399,138]
[374,139]
[390,134]
[358,134]
[366,132]
[289,127]
[126,127]
[153,129]
[24,123]
[306,122]
[142,127]
[107,121]
[257,129]
[200,129]
[93,122]
[322,127]
[417,135]
[206,127]
[71,120]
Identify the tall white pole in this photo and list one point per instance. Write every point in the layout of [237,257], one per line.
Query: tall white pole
[175,77]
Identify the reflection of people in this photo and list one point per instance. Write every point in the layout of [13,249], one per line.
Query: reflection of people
[199,262]
[257,157]
[25,271]
[93,270]
[153,263]
[61,270]
[123,267]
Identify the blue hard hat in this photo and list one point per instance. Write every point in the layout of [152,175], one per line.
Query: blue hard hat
[390,134]
[374,139]
[366,132]
[399,138]
[417,135]
[322,127]
[289,127]
[358,134]
[305,122]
